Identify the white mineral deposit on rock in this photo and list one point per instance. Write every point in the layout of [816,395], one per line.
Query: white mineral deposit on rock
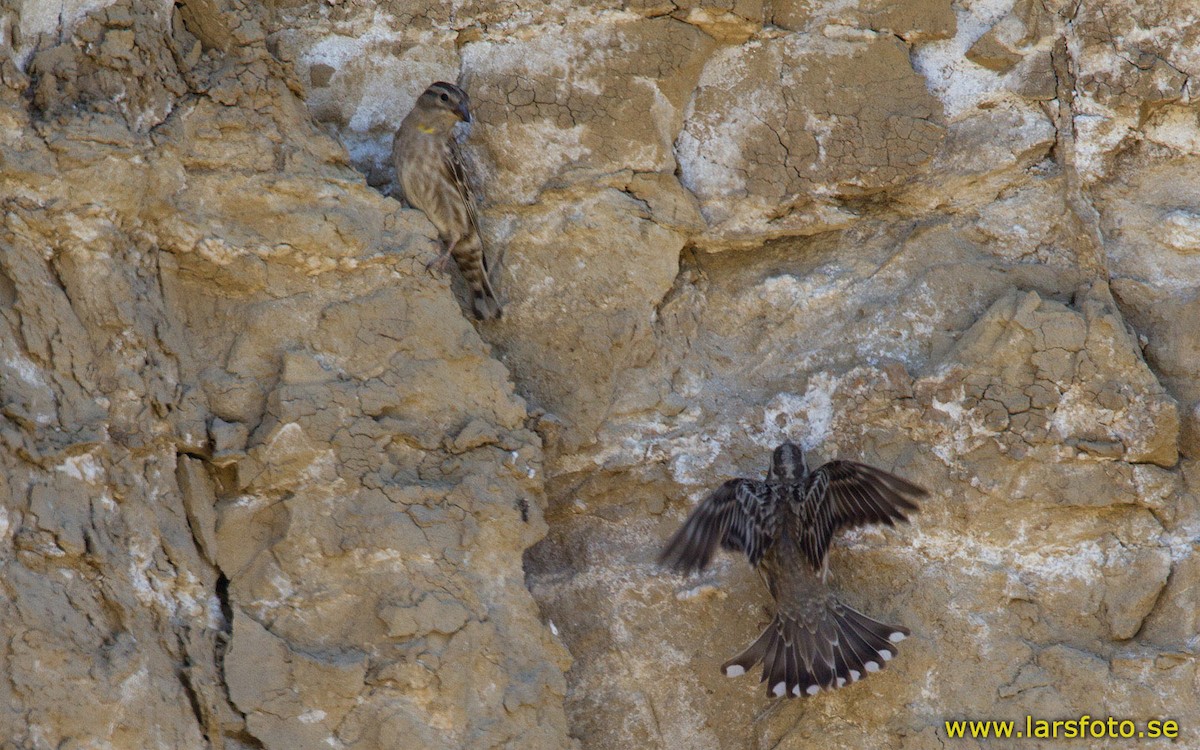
[263,485]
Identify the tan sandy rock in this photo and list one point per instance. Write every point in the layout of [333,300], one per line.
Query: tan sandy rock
[584,273]
[264,485]
[921,20]
[224,450]
[765,160]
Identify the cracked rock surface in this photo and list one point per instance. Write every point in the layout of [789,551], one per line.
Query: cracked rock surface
[263,485]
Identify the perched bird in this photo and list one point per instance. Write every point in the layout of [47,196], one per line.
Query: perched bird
[784,526]
[433,176]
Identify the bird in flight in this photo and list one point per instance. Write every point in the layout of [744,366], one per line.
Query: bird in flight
[431,172]
[784,526]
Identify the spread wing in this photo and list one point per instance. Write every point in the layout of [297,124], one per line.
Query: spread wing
[845,494]
[739,516]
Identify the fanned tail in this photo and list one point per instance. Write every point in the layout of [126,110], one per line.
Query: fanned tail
[822,653]
[745,661]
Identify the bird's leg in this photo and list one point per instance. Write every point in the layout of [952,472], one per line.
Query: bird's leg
[441,264]
[768,711]
[767,613]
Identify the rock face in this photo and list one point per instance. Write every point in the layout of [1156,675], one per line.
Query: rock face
[838,118]
[264,486]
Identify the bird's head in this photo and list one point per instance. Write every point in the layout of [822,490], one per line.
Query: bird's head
[787,464]
[445,103]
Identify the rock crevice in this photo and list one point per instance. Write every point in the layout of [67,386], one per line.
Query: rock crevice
[262,485]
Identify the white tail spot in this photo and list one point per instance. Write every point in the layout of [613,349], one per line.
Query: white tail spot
[854,675]
[872,666]
[812,689]
[735,670]
[887,655]
[841,681]
[897,637]
[796,690]
[779,689]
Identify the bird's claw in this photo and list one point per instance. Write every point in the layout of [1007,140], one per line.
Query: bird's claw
[440,264]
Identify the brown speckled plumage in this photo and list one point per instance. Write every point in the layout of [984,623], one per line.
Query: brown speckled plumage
[431,172]
[784,526]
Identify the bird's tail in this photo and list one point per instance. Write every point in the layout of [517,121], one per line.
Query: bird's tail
[822,653]
[468,254]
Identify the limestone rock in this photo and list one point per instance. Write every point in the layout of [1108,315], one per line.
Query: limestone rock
[994,51]
[263,484]
[1032,363]
[918,21]
[291,699]
[225,415]
[831,118]
[584,272]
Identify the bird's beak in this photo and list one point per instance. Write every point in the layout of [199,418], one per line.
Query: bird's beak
[463,113]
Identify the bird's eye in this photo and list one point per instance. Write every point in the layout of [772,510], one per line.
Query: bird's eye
[445,98]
